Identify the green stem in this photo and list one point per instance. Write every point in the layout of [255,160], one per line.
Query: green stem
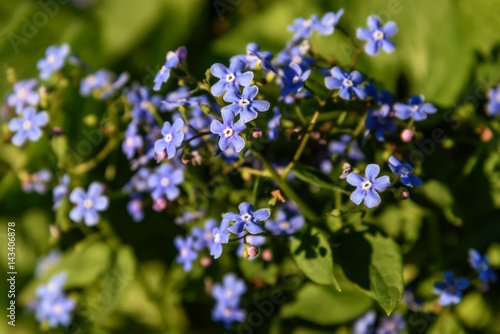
[300,115]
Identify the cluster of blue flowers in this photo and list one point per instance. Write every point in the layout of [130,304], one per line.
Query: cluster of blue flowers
[52,304]
[228,298]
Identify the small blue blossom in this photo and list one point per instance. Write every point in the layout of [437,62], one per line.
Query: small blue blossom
[482,265]
[293,79]
[172,138]
[348,83]
[450,291]
[295,54]
[56,312]
[61,191]
[135,208]
[245,103]
[285,223]
[254,57]
[138,182]
[53,288]
[203,237]
[97,80]
[44,264]
[37,182]
[189,216]
[368,186]
[28,126]
[24,94]
[406,172]
[115,86]
[186,254]
[230,291]
[416,108]
[164,182]
[365,324]
[132,142]
[173,59]
[380,122]
[493,105]
[274,124]
[230,78]
[377,36]
[54,60]
[227,314]
[247,219]
[88,204]
[340,147]
[220,236]
[229,131]
[303,28]
[393,324]
[142,102]
[327,24]
[176,98]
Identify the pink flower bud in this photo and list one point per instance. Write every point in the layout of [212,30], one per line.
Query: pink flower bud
[406,135]
[267,255]
[252,251]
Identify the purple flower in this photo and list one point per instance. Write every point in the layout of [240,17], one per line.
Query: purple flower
[132,143]
[482,265]
[303,28]
[173,59]
[380,122]
[368,186]
[348,83]
[295,54]
[88,204]
[115,86]
[28,126]
[186,254]
[493,105]
[229,131]
[164,182]
[230,291]
[230,78]
[37,182]
[138,182]
[97,80]
[172,138]
[61,191]
[254,56]
[53,61]
[406,172]
[24,94]
[293,79]
[245,103]
[285,223]
[365,324]
[416,109]
[377,36]
[247,219]
[203,237]
[134,208]
[450,291]
[391,325]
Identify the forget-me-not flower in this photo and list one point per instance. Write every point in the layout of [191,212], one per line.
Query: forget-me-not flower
[24,94]
[368,186]
[348,83]
[28,125]
[173,59]
[245,104]
[450,291]
[186,254]
[37,182]
[293,79]
[230,78]
[247,219]
[164,182]
[55,57]
[172,138]
[380,122]
[377,36]
[482,265]
[285,223]
[229,131]
[416,108]
[406,172]
[88,204]
[61,191]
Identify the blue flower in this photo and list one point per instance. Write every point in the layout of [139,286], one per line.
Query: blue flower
[406,172]
[28,126]
[378,35]
[53,61]
[380,121]
[227,314]
[56,311]
[37,182]
[138,182]
[186,254]
[293,79]
[482,265]
[285,223]
[493,105]
[252,240]
[97,80]
[220,236]
[203,237]
[254,57]
[115,86]
[176,98]
[348,83]
[142,103]
[173,59]
[229,131]
[53,288]
[134,208]
[172,138]
[391,325]
[450,291]
[132,143]
[416,109]
[61,191]
[303,28]
[274,124]
[365,324]
[295,54]
[327,24]
[368,186]
[230,291]
[247,219]
[44,264]
[24,94]
[164,182]
[230,78]
[88,204]
[340,147]
[245,103]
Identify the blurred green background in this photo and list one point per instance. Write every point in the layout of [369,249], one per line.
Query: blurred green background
[446,50]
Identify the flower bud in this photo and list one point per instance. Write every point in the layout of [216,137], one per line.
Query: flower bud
[267,255]
[257,133]
[406,135]
[252,251]
[405,194]
[57,131]
[245,254]
[159,204]
[206,261]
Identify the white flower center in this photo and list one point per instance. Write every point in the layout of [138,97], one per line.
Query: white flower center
[21,93]
[228,132]
[168,137]
[378,35]
[88,203]
[217,238]
[244,102]
[366,185]
[165,181]
[57,309]
[308,23]
[296,79]
[51,59]
[230,77]
[209,236]
[227,312]
[284,225]
[347,83]
[297,60]
[163,69]
[405,170]
[27,125]
[91,79]
[414,107]
[130,141]
[498,97]
[229,293]
[144,105]
[246,216]
[184,252]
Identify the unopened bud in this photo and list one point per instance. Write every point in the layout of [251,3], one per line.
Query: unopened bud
[206,261]
[267,255]
[186,158]
[405,194]
[257,133]
[159,204]
[252,251]
[406,135]
[55,232]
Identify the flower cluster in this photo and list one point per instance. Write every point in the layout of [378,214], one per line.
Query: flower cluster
[228,297]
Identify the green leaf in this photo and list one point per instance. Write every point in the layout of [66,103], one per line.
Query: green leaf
[336,307]
[265,271]
[440,195]
[313,255]
[447,323]
[311,175]
[60,146]
[373,262]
